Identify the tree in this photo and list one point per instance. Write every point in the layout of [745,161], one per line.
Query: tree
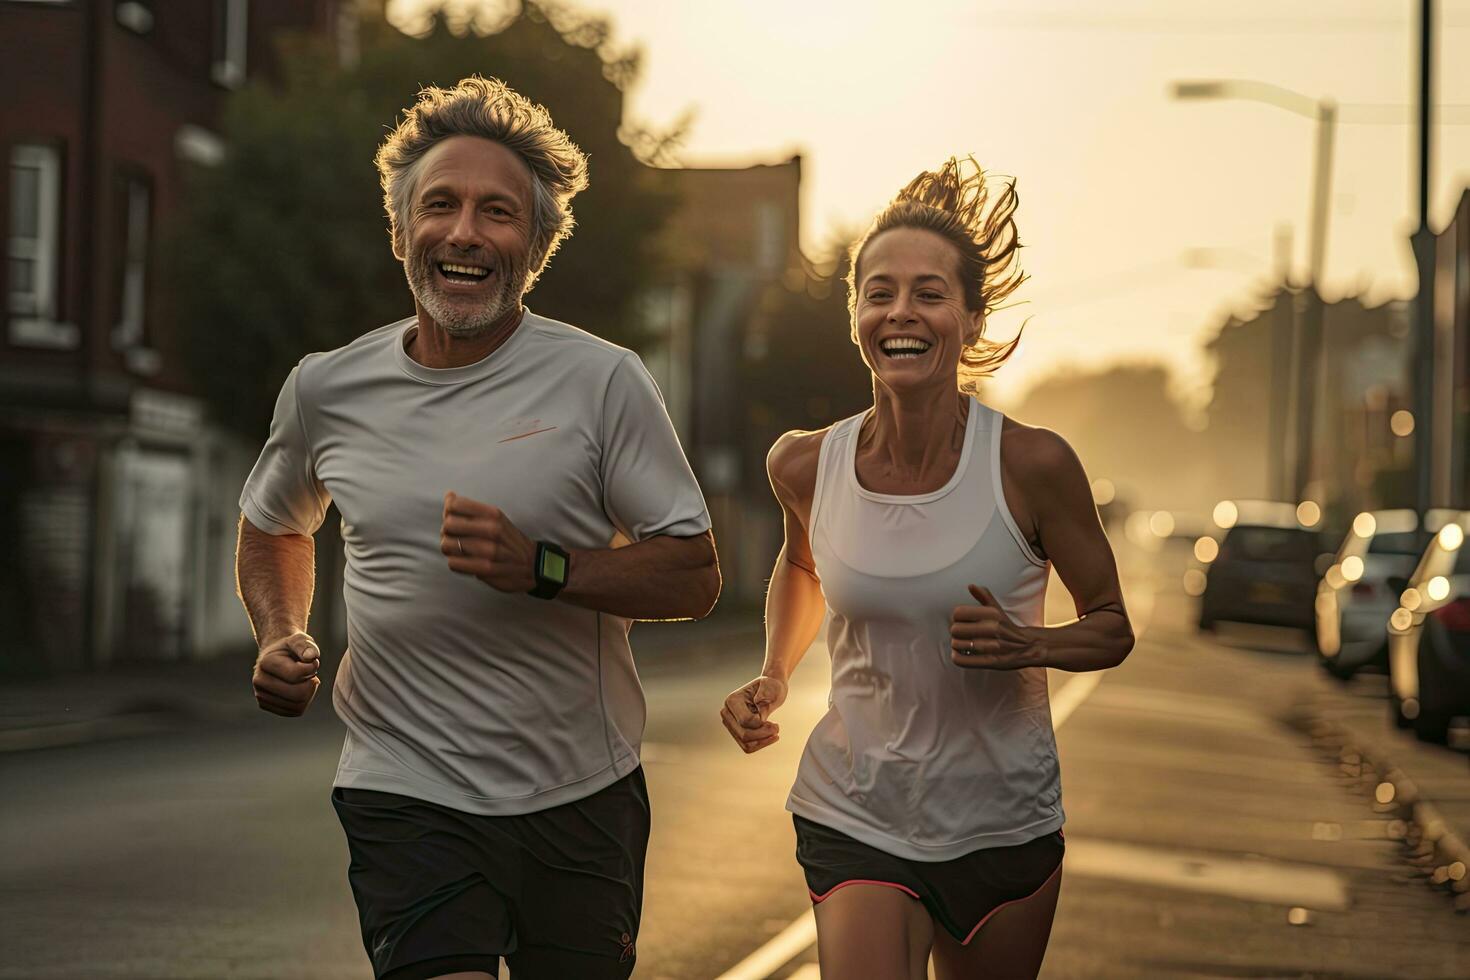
[283,248]
[802,370]
[1127,426]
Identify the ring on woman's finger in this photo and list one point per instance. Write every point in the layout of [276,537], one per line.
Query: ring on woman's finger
[459,543]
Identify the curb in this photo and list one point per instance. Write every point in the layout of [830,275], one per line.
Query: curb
[1438,851]
[129,722]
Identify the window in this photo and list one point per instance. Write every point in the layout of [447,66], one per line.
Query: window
[34,247]
[770,237]
[131,207]
[230,22]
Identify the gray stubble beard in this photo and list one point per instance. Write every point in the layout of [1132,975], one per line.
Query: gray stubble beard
[453,319]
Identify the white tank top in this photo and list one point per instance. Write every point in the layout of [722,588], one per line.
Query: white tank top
[916,756]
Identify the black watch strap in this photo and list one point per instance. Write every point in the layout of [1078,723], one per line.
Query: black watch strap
[552,568]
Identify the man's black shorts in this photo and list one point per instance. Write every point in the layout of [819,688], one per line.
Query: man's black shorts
[558,892]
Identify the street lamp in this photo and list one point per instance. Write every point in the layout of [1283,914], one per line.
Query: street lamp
[1307,344]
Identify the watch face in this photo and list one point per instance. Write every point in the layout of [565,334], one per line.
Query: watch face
[553,567]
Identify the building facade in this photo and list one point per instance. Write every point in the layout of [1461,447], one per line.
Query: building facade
[733,239]
[118,497]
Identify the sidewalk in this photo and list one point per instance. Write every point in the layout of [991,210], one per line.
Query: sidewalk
[145,699]
[1425,788]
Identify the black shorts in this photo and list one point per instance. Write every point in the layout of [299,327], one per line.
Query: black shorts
[558,892]
[960,894]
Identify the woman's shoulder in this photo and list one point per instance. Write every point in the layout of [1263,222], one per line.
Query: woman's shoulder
[1035,455]
[793,460]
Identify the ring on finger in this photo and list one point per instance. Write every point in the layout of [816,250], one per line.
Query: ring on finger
[459,543]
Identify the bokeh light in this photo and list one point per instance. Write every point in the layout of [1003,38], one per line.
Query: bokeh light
[1451,536]
[1411,599]
[1364,525]
[1194,582]
[1401,619]
[1308,513]
[1161,523]
[1206,549]
[1103,491]
[1226,514]
[1402,423]
[1438,588]
[1352,568]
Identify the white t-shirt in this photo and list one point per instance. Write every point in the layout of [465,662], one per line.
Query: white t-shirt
[451,691]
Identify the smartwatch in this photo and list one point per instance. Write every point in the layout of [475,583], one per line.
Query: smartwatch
[551,568]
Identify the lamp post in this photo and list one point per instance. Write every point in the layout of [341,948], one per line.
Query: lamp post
[1422,372]
[1306,345]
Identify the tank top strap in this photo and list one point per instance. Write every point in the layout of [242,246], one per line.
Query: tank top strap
[831,461]
[994,426]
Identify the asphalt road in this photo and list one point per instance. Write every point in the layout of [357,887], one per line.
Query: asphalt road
[1206,838]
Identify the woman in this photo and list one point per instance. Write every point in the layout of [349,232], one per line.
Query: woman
[928,802]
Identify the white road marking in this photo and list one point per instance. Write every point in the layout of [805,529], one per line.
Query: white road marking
[1252,879]
[790,942]
[1072,694]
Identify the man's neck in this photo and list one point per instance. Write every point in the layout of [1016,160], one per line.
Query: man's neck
[433,347]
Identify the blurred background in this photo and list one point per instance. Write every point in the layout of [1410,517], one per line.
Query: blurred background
[1247,228]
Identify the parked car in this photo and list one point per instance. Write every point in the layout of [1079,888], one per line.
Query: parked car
[1265,572]
[1429,636]
[1354,598]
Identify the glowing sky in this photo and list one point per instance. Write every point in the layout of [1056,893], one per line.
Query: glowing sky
[1119,184]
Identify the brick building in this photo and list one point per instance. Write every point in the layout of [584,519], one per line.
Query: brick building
[117,503]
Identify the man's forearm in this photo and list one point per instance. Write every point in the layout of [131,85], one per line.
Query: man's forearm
[274,577]
[661,577]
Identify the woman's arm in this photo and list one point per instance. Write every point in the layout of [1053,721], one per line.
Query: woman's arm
[1059,498]
[794,602]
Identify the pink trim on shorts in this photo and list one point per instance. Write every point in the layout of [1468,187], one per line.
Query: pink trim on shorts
[1004,904]
[862,881]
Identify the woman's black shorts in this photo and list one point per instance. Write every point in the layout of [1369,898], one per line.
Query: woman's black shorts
[557,892]
[960,894]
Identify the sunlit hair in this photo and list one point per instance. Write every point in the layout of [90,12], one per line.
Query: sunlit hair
[954,202]
[488,108]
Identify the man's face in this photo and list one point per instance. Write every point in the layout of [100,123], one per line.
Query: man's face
[467,245]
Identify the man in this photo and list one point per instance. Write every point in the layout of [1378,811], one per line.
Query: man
[485,462]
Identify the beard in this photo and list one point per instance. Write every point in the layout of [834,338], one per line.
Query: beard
[457,318]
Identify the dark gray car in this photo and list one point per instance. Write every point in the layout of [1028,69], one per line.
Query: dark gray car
[1264,574]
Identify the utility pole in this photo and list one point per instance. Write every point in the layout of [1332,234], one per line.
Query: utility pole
[1309,350]
[1422,374]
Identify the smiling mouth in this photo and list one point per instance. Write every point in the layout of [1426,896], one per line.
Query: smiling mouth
[462,274]
[904,348]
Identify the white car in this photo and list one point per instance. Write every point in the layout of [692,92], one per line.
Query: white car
[1354,597]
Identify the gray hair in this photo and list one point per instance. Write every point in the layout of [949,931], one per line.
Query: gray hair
[490,109]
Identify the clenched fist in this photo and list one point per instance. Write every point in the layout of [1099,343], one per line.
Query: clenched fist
[285,678]
[479,540]
[747,711]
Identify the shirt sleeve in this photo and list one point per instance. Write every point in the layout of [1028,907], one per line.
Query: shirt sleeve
[647,486]
[282,494]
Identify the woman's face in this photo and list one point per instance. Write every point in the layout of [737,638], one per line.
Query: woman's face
[911,317]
